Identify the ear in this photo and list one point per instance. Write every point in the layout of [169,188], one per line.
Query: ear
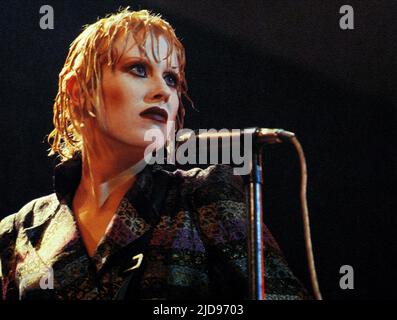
[73,93]
[73,90]
[75,97]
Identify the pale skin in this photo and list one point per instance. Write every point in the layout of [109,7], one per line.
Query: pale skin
[136,84]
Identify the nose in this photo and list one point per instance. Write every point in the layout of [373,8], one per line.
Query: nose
[159,91]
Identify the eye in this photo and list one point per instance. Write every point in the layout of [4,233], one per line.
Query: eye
[139,70]
[171,79]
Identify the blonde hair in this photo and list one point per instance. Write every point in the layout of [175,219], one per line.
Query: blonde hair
[87,53]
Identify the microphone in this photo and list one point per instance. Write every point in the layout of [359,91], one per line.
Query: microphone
[260,135]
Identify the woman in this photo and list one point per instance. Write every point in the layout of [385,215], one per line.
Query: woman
[114,229]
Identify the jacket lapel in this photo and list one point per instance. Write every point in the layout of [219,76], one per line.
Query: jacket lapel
[54,243]
[54,234]
[133,219]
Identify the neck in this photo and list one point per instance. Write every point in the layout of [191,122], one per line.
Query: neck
[106,176]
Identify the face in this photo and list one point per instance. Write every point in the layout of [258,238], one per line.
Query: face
[139,94]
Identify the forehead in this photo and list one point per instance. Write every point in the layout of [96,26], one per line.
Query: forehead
[155,47]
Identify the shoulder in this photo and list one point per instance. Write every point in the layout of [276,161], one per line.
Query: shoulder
[216,198]
[215,186]
[34,212]
[219,178]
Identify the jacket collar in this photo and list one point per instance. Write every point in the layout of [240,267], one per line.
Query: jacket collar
[132,219]
[67,177]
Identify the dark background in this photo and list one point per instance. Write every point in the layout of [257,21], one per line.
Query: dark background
[283,64]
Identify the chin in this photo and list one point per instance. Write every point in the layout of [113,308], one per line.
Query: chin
[152,133]
[142,145]
[136,140]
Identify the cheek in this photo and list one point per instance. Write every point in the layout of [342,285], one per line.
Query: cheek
[114,93]
[121,103]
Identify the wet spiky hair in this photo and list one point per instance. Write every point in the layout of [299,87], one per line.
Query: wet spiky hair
[87,54]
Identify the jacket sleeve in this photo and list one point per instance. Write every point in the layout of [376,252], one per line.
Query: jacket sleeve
[220,204]
[8,289]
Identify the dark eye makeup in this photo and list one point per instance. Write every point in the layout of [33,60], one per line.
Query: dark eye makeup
[140,69]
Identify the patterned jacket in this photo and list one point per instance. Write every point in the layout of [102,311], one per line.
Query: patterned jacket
[195,248]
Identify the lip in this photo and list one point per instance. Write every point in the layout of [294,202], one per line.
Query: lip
[155,113]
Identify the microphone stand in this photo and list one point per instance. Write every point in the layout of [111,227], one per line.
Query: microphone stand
[256,265]
[260,137]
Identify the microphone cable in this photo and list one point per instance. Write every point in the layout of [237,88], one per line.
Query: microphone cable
[305,217]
